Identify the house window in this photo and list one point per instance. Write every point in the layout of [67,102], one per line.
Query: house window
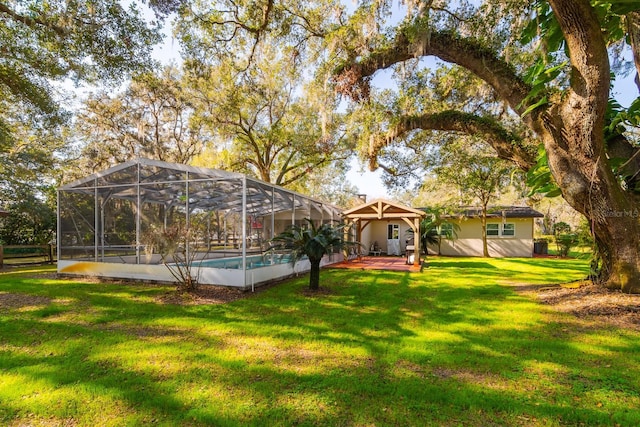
[509,229]
[501,230]
[446,230]
[493,230]
[393,232]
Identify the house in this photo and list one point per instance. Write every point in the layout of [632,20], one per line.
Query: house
[385,227]
[509,232]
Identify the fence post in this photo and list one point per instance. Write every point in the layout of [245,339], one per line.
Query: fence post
[50,253]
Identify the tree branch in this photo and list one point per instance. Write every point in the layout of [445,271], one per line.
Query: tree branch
[633,29]
[304,171]
[31,21]
[590,76]
[467,53]
[507,145]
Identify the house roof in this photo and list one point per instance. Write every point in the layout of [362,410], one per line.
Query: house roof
[498,212]
[383,209]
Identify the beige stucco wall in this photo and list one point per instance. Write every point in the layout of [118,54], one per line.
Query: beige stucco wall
[376,231]
[469,240]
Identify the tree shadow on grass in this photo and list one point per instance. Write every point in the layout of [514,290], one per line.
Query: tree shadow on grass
[468,264]
[384,348]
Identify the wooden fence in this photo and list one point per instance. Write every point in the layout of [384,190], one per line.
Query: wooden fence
[26,254]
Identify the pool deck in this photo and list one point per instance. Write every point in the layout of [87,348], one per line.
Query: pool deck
[392,263]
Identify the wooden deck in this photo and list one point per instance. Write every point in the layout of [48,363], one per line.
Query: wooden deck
[378,263]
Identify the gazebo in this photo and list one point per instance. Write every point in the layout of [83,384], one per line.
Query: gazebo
[119,222]
[387,227]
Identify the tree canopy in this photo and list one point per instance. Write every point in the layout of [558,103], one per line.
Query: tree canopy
[47,49]
[154,117]
[46,42]
[266,123]
[249,64]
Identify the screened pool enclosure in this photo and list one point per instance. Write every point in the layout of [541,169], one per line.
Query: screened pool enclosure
[147,219]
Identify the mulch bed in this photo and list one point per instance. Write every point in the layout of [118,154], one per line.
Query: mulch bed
[589,301]
[203,295]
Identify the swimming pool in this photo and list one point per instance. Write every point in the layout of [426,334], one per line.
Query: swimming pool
[253,261]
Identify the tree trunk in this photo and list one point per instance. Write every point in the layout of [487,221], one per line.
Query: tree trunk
[574,140]
[633,28]
[619,236]
[314,274]
[614,223]
[590,187]
[483,220]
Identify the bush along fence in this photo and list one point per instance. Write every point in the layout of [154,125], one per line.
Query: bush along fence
[26,254]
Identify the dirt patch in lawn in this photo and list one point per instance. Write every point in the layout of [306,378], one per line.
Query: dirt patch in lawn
[15,301]
[590,302]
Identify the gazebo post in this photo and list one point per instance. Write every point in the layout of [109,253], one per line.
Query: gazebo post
[416,242]
[359,237]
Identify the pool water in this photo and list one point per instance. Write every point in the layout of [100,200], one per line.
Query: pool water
[253,261]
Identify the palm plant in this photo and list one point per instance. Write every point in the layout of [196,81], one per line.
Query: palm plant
[314,242]
[435,226]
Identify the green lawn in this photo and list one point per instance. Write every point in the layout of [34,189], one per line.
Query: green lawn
[454,345]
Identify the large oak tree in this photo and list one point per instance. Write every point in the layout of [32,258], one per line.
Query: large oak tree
[47,42]
[266,124]
[564,104]
[249,64]
[153,118]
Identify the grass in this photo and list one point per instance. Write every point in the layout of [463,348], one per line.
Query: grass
[454,345]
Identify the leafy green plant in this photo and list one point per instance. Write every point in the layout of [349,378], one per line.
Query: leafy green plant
[565,239]
[539,178]
[31,219]
[314,242]
[436,226]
